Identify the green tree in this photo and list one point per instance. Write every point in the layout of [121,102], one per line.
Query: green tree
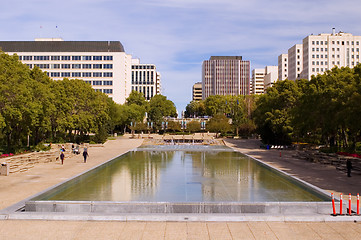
[194,126]
[218,124]
[195,109]
[160,107]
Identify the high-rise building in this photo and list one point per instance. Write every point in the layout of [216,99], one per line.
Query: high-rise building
[282,67]
[257,86]
[324,51]
[197,91]
[271,76]
[103,64]
[319,53]
[145,79]
[225,75]
[295,62]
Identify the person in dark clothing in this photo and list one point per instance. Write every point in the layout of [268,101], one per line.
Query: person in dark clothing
[62,156]
[349,167]
[85,154]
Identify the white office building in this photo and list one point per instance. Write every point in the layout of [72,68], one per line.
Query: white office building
[283,67]
[257,86]
[324,51]
[271,76]
[103,64]
[295,62]
[145,79]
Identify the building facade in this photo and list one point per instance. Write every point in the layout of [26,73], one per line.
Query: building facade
[103,64]
[270,77]
[295,62]
[257,86]
[283,67]
[197,91]
[145,79]
[225,75]
[324,51]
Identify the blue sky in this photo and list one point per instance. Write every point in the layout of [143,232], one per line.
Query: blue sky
[178,35]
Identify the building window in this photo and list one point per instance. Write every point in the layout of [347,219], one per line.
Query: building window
[55,58]
[76,74]
[55,74]
[97,82]
[97,74]
[55,66]
[27,58]
[108,74]
[97,66]
[65,58]
[313,42]
[108,58]
[41,58]
[108,83]
[87,58]
[42,66]
[97,58]
[321,42]
[65,66]
[89,82]
[65,74]
[76,66]
[87,74]
[108,91]
[87,66]
[325,42]
[76,58]
[108,66]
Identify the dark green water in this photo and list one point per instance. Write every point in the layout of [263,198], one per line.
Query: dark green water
[183,176]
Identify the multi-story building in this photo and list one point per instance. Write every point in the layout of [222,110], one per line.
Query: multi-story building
[258,75]
[103,64]
[225,75]
[282,67]
[295,62]
[325,51]
[271,76]
[197,91]
[145,79]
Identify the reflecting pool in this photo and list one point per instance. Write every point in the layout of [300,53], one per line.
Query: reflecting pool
[184,174]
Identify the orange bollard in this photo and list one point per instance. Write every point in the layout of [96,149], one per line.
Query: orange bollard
[333,205]
[341,204]
[349,204]
[358,205]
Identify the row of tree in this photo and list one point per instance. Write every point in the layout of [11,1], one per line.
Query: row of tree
[325,110]
[34,108]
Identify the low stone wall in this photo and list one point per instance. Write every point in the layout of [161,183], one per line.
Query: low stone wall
[286,208]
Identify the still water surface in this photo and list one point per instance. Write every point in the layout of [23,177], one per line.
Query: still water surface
[183,176]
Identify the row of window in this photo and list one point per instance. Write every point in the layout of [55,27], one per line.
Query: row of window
[66,58]
[333,49]
[98,83]
[335,42]
[107,91]
[143,67]
[81,74]
[73,66]
[334,56]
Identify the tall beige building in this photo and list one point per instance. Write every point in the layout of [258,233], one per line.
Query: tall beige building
[225,75]
[197,91]
[283,67]
[270,77]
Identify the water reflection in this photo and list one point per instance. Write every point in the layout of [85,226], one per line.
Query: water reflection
[184,176]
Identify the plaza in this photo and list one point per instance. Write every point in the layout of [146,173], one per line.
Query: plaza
[19,186]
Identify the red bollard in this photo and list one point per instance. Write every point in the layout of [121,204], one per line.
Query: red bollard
[358,205]
[333,205]
[341,204]
[280,154]
[349,204]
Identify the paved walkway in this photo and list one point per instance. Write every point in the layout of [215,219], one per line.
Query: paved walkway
[19,186]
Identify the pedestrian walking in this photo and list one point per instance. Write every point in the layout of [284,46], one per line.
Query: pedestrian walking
[62,156]
[85,154]
[349,167]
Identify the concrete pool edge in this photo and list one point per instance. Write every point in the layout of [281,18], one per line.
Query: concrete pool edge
[10,212]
